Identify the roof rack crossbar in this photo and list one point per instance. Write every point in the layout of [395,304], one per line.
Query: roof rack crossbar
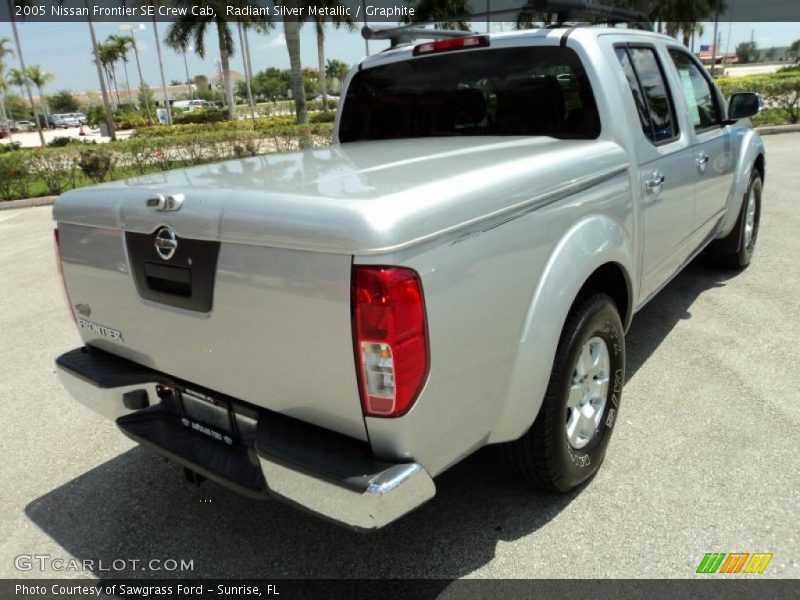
[408,33]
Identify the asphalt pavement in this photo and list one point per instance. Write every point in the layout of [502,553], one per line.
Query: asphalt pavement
[704,457]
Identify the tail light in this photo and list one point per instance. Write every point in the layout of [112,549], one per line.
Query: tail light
[57,240]
[391,343]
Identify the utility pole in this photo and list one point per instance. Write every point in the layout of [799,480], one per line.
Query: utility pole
[24,71]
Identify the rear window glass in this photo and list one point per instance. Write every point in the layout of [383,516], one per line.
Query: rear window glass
[509,91]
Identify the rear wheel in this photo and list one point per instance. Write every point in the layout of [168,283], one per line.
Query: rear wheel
[735,251]
[568,440]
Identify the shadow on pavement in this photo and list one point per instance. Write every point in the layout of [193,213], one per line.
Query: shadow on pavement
[671,305]
[136,506]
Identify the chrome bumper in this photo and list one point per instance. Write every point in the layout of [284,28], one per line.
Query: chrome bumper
[381,495]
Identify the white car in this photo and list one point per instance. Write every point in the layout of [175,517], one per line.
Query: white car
[66,120]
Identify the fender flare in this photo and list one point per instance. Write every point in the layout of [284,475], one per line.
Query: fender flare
[591,243]
[751,146]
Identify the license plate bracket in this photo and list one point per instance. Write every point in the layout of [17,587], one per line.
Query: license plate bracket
[209,416]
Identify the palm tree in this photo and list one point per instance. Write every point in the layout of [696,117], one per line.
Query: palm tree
[319,24]
[18,78]
[192,29]
[21,59]
[429,11]
[123,44]
[291,30]
[684,17]
[108,56]
[336,69]
[5,50]
[40,78]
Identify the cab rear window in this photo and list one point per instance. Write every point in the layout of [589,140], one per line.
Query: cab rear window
[506,92]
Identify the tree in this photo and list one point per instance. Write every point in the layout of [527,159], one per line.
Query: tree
[40,78]
[109,54]
[123,45]
[319,26]
[291,30]
[794,50]
[747,52]
[429,11]
[5,50]
[336,69]
[64,102]
[21,59]
[146,97]
[191,29]
[683,17]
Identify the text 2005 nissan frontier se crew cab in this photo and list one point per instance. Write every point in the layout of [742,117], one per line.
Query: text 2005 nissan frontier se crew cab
[338,326]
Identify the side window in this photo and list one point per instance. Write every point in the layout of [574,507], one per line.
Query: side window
[653,89]
[633,83]
[699,95]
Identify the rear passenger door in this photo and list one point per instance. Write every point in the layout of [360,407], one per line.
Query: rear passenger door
[711,144]
[666,167]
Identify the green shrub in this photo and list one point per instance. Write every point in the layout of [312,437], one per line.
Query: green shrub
[61,141]
[97,162]
[199,116]
[10,147]
[14,176]
[56,167]
[780,91]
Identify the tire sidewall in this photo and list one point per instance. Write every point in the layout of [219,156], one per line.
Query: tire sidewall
[577,465]
[755,187]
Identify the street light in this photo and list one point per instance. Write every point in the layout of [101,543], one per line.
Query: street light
[131,29]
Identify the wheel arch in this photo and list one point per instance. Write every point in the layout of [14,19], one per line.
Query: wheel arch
[596,255]
[752,157]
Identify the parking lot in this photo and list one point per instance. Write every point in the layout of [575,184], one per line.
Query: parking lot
[704,457]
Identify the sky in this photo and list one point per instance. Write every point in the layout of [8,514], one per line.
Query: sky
[64,49]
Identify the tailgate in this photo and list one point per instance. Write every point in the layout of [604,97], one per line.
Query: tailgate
[269,326]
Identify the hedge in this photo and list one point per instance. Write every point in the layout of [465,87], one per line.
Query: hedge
[51,171]
[779,91]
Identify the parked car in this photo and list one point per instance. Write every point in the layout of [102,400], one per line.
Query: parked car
[64,121]
[3,131]
[80,117]
[46,121]
[26,125]
[336,327]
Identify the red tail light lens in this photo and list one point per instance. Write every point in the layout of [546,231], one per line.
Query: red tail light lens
[459,43]
[57,240]
[390,338]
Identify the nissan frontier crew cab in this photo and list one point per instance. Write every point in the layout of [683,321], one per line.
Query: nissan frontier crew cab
[336,327]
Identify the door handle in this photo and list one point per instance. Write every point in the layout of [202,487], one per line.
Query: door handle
[701,161]
[656,182]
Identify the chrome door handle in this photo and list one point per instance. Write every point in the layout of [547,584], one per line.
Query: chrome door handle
[702,161]
[656,182]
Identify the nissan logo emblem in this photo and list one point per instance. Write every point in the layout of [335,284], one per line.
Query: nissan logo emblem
[166,243]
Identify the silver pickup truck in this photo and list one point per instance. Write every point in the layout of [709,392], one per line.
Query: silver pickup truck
[336,327]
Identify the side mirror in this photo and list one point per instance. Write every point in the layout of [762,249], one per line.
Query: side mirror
[743,105]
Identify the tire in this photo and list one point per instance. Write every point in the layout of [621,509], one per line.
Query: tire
[545,456]
[735,251]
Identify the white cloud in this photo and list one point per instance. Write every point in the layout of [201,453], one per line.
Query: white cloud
[277,42]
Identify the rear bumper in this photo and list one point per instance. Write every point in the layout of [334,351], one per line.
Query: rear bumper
[331,475]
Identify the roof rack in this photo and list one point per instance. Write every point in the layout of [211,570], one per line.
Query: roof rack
[406,34]
[566,12]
